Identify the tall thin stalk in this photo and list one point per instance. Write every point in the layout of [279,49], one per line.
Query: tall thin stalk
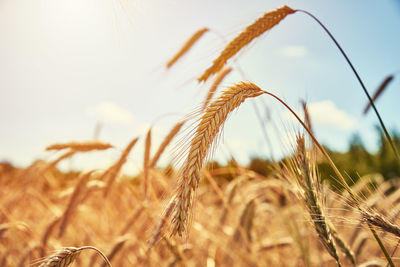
[396,152]
[341,178]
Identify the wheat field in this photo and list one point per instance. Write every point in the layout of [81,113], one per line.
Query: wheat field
[195,213]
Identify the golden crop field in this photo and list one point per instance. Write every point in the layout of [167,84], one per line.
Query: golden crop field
[305,211]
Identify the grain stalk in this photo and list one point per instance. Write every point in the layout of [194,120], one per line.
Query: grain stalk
[353,197]
[167,140]
[114,170]
[378,92]
[53,163]
[207,130]
[73,203]
[146,164]
[80,146]
[163,222]
[246,224]
[116,248]
[67,256]
[185,48]
[261,25]
[346,249]
[268,21]
[380,222]
[47,233]
[371,101]
[218,79]
[305,175]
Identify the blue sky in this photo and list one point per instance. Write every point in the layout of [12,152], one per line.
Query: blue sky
[67,65]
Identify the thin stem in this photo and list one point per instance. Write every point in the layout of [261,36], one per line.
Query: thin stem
[394,250]
[342,180]
[387,256]
[396,152]
[99,252]
[323,151]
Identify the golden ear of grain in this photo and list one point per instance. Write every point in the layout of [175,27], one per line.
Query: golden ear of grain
[66,256]
[73,203]
[207,130]
[120,242]
[231,196]
[174,131]
[378,92]
[126,152]
[220,77]
[81,146]
[246,222]
[189,43]
[62,258]
[159,229]
[146,162]
[381,222]
[305,174]
[52,164]
[113,171]
[47,233]
[307,118]
[346,249]
[261,25]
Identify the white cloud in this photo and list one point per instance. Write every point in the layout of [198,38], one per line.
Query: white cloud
[293,51]
[326,113]
[110,112]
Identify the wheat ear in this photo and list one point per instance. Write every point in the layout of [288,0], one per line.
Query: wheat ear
[220,77]
[346,249]
[47,233]
[132,220]
[307,118]
[380,222]
[81,146]
[342,181]
[174,131]
[73,203]
[114,169]
[305,174]
[261,25]
[378,92]
[189,43]
[146,162]
[207,130]
[52,164]
[66,256]
[246,223]
[116,248]
[159,229]
[231,196]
